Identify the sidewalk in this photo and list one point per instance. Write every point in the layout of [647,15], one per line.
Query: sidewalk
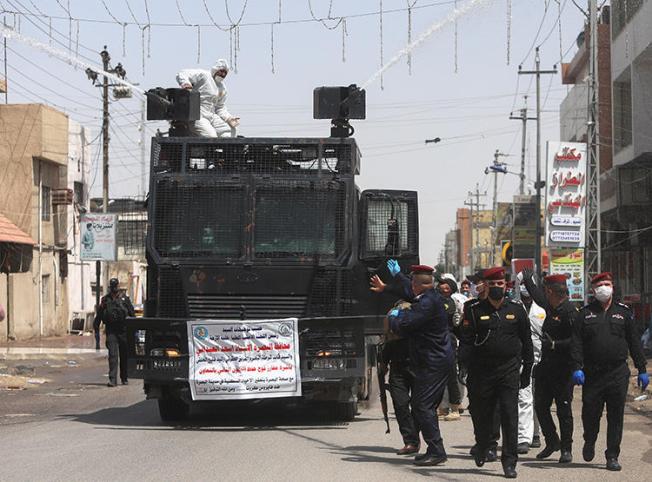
[51,347]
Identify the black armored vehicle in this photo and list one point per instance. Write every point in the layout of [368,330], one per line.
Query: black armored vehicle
[267,228]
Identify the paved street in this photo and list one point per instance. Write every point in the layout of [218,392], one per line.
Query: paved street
[74,428]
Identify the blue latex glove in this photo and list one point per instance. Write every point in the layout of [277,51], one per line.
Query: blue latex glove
[395,312]
[578,377]
[643,381]
[393,267]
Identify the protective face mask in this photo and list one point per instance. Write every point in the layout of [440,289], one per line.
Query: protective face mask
[496,293]
[603,293]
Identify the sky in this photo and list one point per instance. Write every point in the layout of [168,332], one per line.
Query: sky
[461,87]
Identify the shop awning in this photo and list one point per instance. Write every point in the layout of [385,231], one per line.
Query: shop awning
[10,233]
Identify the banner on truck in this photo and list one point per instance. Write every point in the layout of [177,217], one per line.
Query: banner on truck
[232,360]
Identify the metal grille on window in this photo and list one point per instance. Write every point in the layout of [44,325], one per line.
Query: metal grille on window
[317,214]
[199,219]
[388,232]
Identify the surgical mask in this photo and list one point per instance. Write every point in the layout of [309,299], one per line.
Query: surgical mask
[603,293]
[496,293]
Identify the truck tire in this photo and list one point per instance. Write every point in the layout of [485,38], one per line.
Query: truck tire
[172,409]
[346,411]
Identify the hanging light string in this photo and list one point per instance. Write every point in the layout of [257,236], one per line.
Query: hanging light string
[456,44]
[509,29]
[345,34]
[410,6]
[149,30]
[67,10]
[329,17]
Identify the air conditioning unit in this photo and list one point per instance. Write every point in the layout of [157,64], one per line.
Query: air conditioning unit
[62,196]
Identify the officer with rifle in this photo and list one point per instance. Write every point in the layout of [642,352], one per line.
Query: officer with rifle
[394,353]
[425,326]
[113,311]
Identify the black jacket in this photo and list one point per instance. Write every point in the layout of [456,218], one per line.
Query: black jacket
[603,338]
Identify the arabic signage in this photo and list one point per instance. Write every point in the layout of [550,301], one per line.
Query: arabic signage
[525,227]
[98,237]
[231,360]
[570,262]
[565,194]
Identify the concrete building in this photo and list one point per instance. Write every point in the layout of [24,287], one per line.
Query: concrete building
[627,239]
[81,301]
[33,179]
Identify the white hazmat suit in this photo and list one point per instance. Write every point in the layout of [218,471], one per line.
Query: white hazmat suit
[215,121]
[536,315]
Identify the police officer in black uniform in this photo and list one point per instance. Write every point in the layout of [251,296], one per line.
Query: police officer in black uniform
[396,353]
[554,372]
[604,333]
[114,309]
[425,325]
[464,356]
[498,342]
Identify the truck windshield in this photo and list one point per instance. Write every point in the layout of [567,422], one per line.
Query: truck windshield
[201,220]
[297,222]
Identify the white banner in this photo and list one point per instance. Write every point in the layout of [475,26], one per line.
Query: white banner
[565,194]
[98,237]
[231,360]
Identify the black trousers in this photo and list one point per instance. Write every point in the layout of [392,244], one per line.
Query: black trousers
[605,387]
[492,388]
[429,386]
[555,383]
[401,387]
[116,343]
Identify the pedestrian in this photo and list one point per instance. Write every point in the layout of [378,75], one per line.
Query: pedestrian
[528,425]
[396,354]
[215,121]
[447,287]
[464,356]
[603,335]
[425,326]
[553,374]
[499,345]
[465,288]
[113,311]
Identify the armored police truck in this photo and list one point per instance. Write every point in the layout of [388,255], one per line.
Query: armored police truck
[268,228]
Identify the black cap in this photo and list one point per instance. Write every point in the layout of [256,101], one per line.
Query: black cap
[476,277]
[113,283]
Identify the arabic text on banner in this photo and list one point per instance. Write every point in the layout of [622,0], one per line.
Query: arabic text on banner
[98,239]
[570,263]
[232,360]
[565,194]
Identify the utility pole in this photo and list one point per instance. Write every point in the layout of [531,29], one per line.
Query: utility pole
[92,75]
[523,118]
[496,167]
[475,216]
[538,184]
[593,254]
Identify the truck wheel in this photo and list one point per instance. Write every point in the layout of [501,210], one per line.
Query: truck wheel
[173,409]
[346,411]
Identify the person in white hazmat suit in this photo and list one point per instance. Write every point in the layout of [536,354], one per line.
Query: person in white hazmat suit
[215,121]
[528,433]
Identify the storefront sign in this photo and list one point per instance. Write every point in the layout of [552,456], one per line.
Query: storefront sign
[98,237]
[232,360]
[570,262]
[565,194]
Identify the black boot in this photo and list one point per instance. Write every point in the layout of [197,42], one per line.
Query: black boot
[613,465]
[548,450]
[510,471]
[566,456]
[588,452]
